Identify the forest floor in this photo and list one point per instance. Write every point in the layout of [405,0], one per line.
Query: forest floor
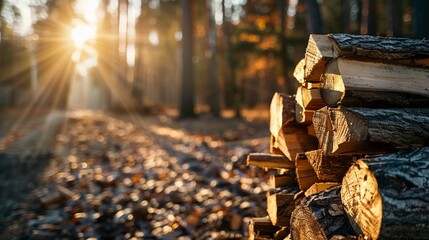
[98,175]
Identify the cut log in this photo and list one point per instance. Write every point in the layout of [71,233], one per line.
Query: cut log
[310,99]
[282,111]
[370,131]
[371,99]
[319,52]
[280,205]
[261,228]
[282,180]
[323,129]
[379,47]
[273,148]
[310,130]
[345,74]
[305,174]
[320,216]
[298,73]
[329,168]
[302,115]
[266,160]
[387,196]
[294,139]
[319,187]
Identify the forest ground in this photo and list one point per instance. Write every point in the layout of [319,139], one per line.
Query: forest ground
[99,175]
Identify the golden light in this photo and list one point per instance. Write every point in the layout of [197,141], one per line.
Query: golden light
[82,33]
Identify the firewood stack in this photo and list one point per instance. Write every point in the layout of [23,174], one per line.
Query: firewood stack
[352,146]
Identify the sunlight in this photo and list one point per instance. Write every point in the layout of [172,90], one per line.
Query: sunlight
[82,33]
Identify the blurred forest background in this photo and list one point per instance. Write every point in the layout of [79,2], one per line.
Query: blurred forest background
[192,56]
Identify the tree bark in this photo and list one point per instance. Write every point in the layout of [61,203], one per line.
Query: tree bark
[365,131]
[314,17]
[187,92]
[214,85]
[386,196]
[320,216]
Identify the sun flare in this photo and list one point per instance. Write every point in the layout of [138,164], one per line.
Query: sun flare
[82,33]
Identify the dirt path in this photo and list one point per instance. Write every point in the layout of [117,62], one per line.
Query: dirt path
[119,177]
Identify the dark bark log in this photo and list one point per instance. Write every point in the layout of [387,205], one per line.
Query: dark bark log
[320,216]
[387,197]
[369,131]
[329,168]
[343,75]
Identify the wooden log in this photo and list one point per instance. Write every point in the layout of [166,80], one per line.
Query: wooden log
[319,51]
[282,180]
[387,196]
[282,111]
[371,99]
[310,99]
[302,115]
[266,160]
[370,131]
[298,73]
[320,216]
[305,174]
[261,228]
[280,204]
[294,139]
[320,186]
[323,129]
[329,168]
[379,47]
[273,144]
[345,74]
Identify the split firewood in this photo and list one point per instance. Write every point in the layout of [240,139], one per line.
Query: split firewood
[298,73]
[319,52]
[261,228]
[282,180]
[307,100]
[369,131]
[282,111]
[266,160]
[305,174]
[329,168]
[320,216]
[280,204]
[345,74]
[320,186]
[387,196]
[273,144]
[323,48]
[290,137]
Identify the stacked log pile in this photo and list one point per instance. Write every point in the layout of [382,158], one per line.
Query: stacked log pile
[351,146]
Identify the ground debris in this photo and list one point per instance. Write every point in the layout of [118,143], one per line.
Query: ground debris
[126,178]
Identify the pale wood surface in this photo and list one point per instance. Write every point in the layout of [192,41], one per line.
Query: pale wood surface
[387,196]
[280,205]
[320,186]
[305,174]
[267,160]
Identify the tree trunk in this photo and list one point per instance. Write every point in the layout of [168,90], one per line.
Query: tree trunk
[420,26]
[394,18]
[187,92]
[369,19]
[212,39]
[386,196]
[314,17]
[320,216]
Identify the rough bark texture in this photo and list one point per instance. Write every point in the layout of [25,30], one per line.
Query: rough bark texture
[329,168]
[265,160]
[380,47]
[353,128]
[320,216]
[280,205]
[387,196]
[370,99]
